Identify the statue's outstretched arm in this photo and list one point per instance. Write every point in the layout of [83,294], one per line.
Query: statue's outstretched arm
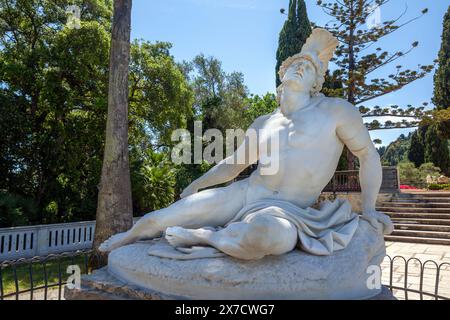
[229,168]
[354,134]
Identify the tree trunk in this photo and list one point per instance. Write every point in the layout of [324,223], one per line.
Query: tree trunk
[351,81]
[114,208]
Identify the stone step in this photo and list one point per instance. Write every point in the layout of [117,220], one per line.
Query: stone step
[419,200]
[414,210]
[422,234]
[415,215]
[422,227]
[425,194]
[417,240]
[421,221]
[415,204]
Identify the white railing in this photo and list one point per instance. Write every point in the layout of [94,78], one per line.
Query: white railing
[41,240]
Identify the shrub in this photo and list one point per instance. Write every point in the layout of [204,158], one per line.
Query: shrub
[412,176]
[436,186]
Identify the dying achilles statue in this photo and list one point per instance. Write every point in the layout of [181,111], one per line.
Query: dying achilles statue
[272,214]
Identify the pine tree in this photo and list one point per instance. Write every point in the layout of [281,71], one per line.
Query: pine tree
[436,149]
[357,64]
[296,30]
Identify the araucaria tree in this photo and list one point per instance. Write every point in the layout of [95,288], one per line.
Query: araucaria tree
[114,210]
[358,57]
[296,30]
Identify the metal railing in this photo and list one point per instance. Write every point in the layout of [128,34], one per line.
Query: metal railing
[344,181]
[406,288]
[34,278]
[12,281]
[348,181]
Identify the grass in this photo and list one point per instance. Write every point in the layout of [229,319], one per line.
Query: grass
[38,273]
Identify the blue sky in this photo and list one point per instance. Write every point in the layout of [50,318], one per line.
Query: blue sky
[243,34]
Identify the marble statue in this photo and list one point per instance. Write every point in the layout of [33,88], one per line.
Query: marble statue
[273,214]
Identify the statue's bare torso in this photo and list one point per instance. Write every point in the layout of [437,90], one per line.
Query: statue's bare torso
[309,151]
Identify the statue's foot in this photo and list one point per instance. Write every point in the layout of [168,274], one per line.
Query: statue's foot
[181,237]
[116,241]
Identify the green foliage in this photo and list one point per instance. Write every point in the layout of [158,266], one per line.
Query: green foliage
[441,97]
[436,149]
[296,30]
[442,76]
[396,151]
[186,173]
[160,97]
[15,210]
[153,179]
[53,82]
[53,101]
[409,174]
[333,86]
[436,186]
[220,97]
[258,106]
[416,152]
[412,176]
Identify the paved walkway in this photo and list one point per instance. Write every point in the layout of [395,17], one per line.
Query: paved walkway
[423,252]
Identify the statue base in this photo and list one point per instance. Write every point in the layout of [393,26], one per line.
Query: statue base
[133,274]
[101,285]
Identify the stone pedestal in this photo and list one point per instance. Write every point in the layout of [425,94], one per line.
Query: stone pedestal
[103,286]
[133,274]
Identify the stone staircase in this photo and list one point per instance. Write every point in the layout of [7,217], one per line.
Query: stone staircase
[419,217]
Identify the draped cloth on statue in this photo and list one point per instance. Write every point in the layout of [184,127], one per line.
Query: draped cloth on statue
[320,231]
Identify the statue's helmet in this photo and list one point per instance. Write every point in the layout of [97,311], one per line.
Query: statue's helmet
[318,49]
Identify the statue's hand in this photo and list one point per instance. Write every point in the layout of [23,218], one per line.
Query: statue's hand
[190,190]
[377,220]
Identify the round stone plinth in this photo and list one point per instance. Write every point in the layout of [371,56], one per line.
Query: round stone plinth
[296,275]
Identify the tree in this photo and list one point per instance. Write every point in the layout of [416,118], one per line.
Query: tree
[114,211]
[257,106]
[442,76]
[296,30]
[441,98]
[220,97]
[416,152]
[52,145]
[160,97]
[356,70]
[52,87]
[436,149]
[396,151]
[356,67]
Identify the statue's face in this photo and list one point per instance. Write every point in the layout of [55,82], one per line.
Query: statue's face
[300,76]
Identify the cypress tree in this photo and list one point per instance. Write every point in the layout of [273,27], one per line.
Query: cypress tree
[436,149]
[416,151]
[441,97]
[296,30]
[442,76]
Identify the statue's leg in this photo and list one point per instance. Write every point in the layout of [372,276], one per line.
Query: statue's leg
[212,207]
[264,235]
